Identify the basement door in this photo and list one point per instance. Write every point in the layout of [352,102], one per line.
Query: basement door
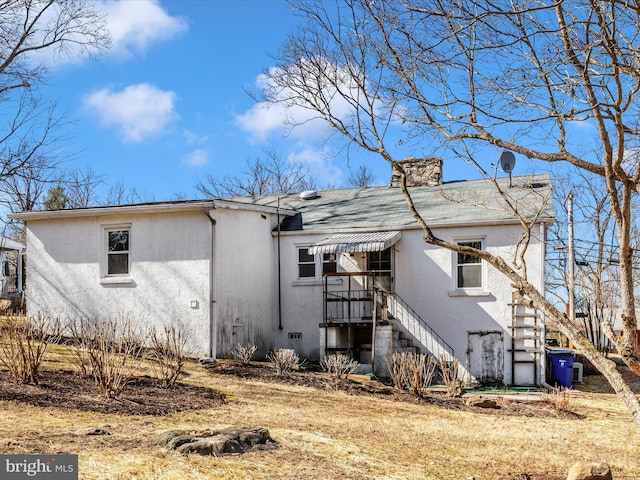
[486,357]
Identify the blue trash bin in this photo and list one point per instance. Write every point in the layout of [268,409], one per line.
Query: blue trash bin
[561,362]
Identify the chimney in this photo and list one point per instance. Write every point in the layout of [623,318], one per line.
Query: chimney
[420,172]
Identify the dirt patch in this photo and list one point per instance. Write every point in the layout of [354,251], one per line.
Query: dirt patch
[141,396]
[323,381]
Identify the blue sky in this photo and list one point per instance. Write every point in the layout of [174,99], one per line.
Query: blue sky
[169,103]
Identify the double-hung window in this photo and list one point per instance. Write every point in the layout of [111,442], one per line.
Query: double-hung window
[118,247]
[469,268]
[306,263]
[314,266]
[329,263]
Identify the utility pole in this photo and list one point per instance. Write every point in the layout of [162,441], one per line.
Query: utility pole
[572,258]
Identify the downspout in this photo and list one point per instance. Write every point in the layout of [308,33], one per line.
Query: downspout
[213,311]
[279,271]
[19,272]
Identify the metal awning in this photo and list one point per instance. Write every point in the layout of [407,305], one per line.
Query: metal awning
[356,242]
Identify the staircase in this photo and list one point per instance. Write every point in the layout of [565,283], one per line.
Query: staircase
[413,331]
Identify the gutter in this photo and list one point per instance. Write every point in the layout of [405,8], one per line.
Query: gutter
[159,207]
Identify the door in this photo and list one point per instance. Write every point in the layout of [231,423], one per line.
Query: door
[486,357]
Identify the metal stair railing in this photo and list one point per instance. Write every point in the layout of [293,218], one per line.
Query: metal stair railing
[428,340]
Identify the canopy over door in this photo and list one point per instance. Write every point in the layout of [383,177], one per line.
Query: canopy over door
[356,242]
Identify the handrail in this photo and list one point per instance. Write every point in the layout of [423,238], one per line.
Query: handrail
[347,305]
[415,325]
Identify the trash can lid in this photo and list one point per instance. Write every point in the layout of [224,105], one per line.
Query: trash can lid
[559,351]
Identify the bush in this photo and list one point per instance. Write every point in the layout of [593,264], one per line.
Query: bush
[449,371]
[559,399]
[413,371]
[107,350]
[243,353]
[338,364]
[24,344]
[283,360]
[167,354]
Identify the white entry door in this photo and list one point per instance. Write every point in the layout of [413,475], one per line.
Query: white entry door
[486,357]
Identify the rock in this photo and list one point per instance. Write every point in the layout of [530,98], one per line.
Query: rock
[91,431]
[376,387]
[590,471]
[481,402]
[226,441]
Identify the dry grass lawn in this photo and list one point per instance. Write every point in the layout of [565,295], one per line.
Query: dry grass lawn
[326,434]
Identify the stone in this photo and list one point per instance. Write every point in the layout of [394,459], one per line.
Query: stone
[91,431]
[590,471]
[376,387]
[420,172]
[482,402]
[226,441]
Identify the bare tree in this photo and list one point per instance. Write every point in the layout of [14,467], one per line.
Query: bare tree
[120,194]
[363,176]
[32,30]
[596,275]
[466,74]
[261,177]
[81,186]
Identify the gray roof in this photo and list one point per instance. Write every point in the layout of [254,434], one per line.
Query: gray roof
[470,202]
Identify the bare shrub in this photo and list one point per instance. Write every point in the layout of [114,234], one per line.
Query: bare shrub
[243,353]
[338,364]
[559,399]
[24,344]
[449,371]
[397,370]
[411,370]
[167,354]
[109,351]
[283,360]
[420,369]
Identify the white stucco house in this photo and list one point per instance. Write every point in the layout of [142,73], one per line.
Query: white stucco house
[329,271]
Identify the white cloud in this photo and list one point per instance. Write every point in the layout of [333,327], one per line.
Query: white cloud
[196,158]
[192,138]
[289,114]
[138,111]
[319,164]
[132,25]
[135,25]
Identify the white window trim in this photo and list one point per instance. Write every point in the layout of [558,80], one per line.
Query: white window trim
[480,291]
[318,278]
[114,278]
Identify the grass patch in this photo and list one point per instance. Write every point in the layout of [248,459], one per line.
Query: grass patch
[328,433]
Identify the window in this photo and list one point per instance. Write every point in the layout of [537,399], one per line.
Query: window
[380,262]
[306,263]
[469,268]
[329,263]
[118,243]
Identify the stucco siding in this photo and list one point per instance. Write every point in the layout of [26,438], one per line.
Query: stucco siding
[425,280]
[243,279]
[169,272]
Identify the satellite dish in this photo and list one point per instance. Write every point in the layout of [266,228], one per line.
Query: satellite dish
[507,161]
